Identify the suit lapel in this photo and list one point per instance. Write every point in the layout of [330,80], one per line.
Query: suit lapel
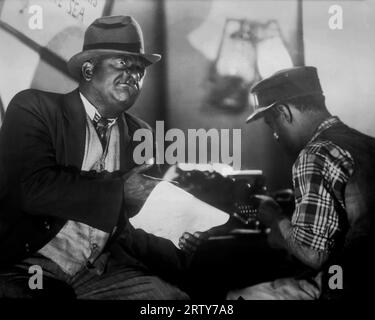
[74,126]
[126,155]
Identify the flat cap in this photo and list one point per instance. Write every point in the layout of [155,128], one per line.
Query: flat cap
[282,86]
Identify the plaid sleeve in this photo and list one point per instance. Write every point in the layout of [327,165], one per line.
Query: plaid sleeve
[320,170]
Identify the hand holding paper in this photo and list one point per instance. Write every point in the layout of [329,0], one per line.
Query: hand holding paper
[170,211]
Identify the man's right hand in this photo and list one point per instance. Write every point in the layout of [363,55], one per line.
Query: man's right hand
[190,242]
[137,187]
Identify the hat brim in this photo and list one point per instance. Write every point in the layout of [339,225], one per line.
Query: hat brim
[75,63]
[258,113]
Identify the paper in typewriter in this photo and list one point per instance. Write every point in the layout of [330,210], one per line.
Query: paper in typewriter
[170,211]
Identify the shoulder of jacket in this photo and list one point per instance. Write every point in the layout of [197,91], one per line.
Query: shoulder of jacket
[34,94]
[34,100]
[136,123]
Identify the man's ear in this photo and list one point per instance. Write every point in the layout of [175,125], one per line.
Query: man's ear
[87,70]
[284,112]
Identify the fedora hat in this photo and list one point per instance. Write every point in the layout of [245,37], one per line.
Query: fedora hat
[283,85]
[111,35]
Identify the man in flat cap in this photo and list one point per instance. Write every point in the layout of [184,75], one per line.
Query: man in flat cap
[71,181]
[332,228]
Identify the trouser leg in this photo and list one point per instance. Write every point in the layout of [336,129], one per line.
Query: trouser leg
[14,284]
[125,284]
[98,282]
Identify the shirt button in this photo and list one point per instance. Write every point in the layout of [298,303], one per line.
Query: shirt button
[335,153]
[94,246]
[27,247]
[47,225]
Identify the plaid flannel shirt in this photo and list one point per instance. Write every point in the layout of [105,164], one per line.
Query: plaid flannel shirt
[320,173]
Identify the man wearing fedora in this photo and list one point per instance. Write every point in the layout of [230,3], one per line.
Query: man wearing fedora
[71,182]
[332,228]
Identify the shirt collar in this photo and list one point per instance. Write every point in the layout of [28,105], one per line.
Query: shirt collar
[92,112]
[329,122]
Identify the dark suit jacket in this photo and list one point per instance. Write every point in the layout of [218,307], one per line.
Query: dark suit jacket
[42,142]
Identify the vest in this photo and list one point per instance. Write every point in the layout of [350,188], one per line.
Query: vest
[358,243]
[77,243]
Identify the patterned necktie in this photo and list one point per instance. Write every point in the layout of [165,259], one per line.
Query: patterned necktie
[102,125]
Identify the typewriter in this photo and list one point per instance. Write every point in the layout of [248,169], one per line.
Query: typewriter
[232,192]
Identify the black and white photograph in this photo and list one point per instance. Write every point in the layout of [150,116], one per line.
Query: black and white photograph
[208,151]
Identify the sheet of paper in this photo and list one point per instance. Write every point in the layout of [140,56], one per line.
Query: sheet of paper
[170,211]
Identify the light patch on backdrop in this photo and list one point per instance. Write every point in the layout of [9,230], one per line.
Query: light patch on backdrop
[206,37]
